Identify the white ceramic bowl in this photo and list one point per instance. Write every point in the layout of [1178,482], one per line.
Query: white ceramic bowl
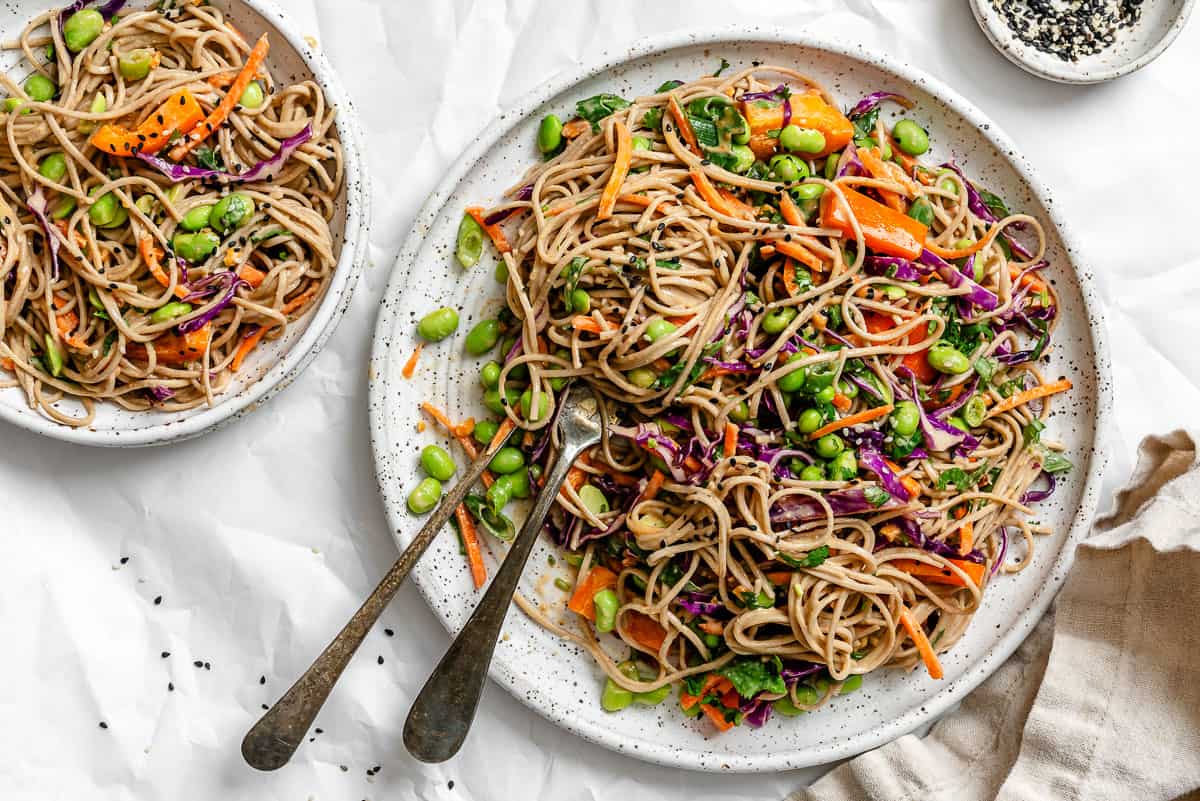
[1134,48]
[556,678]
[272,366]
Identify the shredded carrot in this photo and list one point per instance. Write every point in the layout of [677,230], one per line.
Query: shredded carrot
[766,251]
[300,300]
[221,113]
[731,432]
[1029,279]
[966,538]
[470,539]
[789,210]
[712,627]
[685,127]
[421,426]
[714,682]
[248,344]
[740,209]
[576,127]
[582,600]
[717,717]
[456,430]
[969,250]
[645,631]
[886,171]
[911,484]
[865,416]
[1021,398]
[942,575]
[8,364]
[494,231]
[841,402]
[692,463]
[620,170]
[410,366]
[713,198]
[922,643]
[654,485]
[151,255]
[174,349]
[583,323]
[251,275]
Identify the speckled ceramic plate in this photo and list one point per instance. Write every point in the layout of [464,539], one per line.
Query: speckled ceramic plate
[272,366]
[1132,48]
[556,678]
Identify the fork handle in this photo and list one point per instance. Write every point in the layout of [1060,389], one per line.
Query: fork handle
[441,716]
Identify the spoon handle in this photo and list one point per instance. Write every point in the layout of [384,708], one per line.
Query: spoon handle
[271,742]
[441,716]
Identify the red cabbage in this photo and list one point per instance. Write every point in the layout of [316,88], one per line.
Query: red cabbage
[849,163]
[650,437]
[871,101]
[942,412]
[793,672]
[699,603]
[161,393]
[108,10]
[232,282]
[865,386]
[524,193]
[980,209]
[873,460]
[733,367]
[262,171]
[781,94]
[976,294]
[803,508]
[1039,495]
[939,436]
[37,205]
[895,267]
[756,713]
[1002,552]
[916,535]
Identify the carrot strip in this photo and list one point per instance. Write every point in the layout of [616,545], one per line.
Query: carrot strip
[410,366]
[962,253]
[300,300]
[645,631]
[221,113]
[470,538]
[740,209]
[714,681]
[248,344]
[583,323]
[865,416]
[884,171]
[1021,398]
[251,275]
[582,600]
[717,717]
[457,430]
[911,484]
[174,349]
[922,643]
[151,256]
[8,364]
[576,127]
[966,538]
[692,463]
[710,195]
[493,231]
[789,210]
[841,402]
[731,432]
[620,170]
[654,485]
[942,575]
[685,127]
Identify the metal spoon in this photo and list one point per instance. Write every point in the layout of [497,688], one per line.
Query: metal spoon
[272,741]
[441,716]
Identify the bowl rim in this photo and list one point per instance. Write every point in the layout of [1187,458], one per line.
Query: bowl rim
[324,318]
[1027,58]
[522,688]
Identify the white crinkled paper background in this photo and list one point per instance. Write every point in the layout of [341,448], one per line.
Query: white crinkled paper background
[262,538]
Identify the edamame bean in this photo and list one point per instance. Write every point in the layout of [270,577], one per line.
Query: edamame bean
[170,311]
[527,405]
[195,247]
[905,418]
[485,430]
[606,604]
[516,484]
[712,640]
[642,377]
[437,325]
[468,246]
[852,683]
[593,499]
[11,104]
[948,359]
[197,218]
[743,158]
[54,356]
[425,496]
[145,204]
[437,463]
[787,168]
[848,388]
[615,697]
[975,411]
[253,96]
[489,375]
[844,466]
[777,319]
[549,136]
[499,494]
[40,88]
[107,212]
[658,328]
[819,377]
[830,446]
[740,413]
[581,301]
[911,137]
[53,167]
[801,140]
[813,472]
[63,208]
[793,381]
[231,211]
[808,191]
[831,166]
[810,420]
[922,211]
[949,185]
[653,697]
[825,394]
[483,337]
[507,460]
[136,64]
[82,28]
[497,404]
[785,707]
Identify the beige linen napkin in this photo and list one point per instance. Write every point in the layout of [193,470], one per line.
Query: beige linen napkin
[1102,701]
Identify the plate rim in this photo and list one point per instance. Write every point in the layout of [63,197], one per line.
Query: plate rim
[325,317]
[1021,625]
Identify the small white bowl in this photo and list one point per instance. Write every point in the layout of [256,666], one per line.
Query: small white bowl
[1134,48]
[274,365]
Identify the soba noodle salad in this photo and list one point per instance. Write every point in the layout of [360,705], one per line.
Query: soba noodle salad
[823,361]
[164,206]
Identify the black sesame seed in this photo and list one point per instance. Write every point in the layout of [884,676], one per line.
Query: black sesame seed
[165,654]
[157,600]
[389,632]
[103,725]
[379,660]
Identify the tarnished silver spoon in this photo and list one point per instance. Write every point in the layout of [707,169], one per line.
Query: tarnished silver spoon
[441,716]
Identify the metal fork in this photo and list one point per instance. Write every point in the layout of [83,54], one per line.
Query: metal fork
[441,716]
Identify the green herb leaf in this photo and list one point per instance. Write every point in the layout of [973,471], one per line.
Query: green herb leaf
[694,685]
[495,523]
[1032,432]
[752,675]
[209,158]
[596,108]
[876,496]
[986,367]
[724,66]
[1055,462]
[994,202]
[814,558]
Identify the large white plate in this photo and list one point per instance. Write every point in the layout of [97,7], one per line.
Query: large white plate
[557,679]
[275,364]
